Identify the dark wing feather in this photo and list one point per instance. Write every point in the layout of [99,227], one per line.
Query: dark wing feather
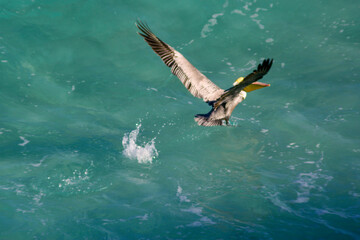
[257,74]
[197,83]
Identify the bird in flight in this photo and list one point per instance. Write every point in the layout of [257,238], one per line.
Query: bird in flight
[222,101]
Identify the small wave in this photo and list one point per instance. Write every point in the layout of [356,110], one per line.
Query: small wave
[143,154]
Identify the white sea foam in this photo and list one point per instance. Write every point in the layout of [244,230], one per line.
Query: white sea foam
[195,224]
[203,219]
[264,130]
[212,22]
[292,145]
[251,64]
[310,182]
[25,141]
[37,198]
[181,196]
[143,154]
[237,11]
[194,210]
[152,89]
[38,164]
[274,198]
[260,9]
[226,4]
[171,97]
[143,218]
[73,182]
[257,21]
[207,220]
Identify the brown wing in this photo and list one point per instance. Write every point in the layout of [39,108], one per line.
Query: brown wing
[196,82]
[257,74]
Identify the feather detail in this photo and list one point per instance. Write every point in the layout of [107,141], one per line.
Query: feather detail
[197,83]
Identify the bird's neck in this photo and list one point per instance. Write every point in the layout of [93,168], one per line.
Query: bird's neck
[243,94]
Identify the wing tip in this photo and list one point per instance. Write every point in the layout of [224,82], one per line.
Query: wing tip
[265,65]
[143,27]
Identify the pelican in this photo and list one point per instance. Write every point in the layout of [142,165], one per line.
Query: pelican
[222,101]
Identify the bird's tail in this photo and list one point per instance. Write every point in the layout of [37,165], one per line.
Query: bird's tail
[204,120]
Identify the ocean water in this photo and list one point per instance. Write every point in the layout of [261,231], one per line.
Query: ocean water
[98,141]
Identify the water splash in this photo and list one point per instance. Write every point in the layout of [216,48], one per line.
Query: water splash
[143,154]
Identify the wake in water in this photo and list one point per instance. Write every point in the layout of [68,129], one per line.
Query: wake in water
[143,154]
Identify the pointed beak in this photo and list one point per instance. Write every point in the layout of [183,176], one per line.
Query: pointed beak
[261,84]
[256,86]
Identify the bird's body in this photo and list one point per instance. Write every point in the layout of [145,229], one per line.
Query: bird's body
[223,112]
[223,102]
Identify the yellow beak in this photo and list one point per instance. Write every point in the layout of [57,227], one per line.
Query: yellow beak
[253,86]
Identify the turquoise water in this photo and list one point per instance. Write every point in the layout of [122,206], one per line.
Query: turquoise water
[98,141]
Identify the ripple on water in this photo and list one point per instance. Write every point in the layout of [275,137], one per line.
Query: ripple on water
[194,209]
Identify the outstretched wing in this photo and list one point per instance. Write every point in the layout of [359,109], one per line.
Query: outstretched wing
[196,82]
[257,74]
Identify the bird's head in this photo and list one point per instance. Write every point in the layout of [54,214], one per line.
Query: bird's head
[251,87]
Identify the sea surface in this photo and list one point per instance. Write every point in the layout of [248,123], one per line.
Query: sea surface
[98,140]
